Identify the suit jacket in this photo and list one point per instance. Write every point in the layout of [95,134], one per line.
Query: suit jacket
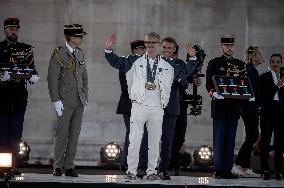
[124,103]
[267,90]
[67,77]
[177,90]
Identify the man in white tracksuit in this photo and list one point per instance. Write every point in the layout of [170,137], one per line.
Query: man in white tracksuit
[149,79]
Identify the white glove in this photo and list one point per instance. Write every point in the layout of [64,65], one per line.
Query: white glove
[58,107]
[85,107]
[34,79]
[252,99]
[217,96]
[4,77]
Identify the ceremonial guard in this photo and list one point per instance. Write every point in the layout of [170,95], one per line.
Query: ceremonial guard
[17,68]
[68,88]
[224,111]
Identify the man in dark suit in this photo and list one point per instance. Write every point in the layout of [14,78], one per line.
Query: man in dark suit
[68,89]
[169,46]
[225,112]
[124,108]
[271,116]
[177,152]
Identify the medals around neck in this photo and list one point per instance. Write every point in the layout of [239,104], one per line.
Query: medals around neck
[151,73]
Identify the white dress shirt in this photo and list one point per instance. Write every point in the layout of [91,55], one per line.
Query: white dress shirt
[71,50]
[275,79]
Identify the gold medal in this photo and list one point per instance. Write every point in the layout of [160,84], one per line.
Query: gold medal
[150,86]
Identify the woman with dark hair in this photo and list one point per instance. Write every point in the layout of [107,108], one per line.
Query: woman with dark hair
[271,92]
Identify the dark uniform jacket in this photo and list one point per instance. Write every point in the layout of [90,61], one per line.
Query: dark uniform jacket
[13,93]
[227,109]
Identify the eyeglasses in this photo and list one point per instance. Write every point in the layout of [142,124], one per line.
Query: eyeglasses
[150,42]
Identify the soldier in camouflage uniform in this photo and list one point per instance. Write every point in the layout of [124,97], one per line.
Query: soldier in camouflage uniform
[68,89]
[15,59]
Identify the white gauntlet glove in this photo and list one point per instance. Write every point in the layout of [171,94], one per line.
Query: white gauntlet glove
[34,79]
[252,99]
[5,76]
[58,107]
[85,107]
[215,95]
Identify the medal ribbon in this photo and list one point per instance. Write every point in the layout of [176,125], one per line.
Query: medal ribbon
[151,73]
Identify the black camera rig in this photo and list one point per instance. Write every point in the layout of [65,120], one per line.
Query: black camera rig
[195,100]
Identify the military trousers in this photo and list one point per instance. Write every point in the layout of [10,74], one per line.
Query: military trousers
[153,117]
[224,134]
[66,136]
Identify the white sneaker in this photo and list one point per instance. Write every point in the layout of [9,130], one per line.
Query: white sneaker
[238,170]
[153,177]
[129,177]
[250,174]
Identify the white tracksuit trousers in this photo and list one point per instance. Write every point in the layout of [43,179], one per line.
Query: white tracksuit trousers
[140,115]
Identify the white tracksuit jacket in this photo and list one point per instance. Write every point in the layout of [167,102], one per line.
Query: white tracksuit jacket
[135,67]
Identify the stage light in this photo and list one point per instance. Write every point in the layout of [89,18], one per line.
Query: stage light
[203,156]
[111,153]
[6,165]
[111,178]
[5,160]
[24,151]
[203,180]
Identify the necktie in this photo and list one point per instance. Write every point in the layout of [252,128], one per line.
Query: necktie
[73,53]
[277,76]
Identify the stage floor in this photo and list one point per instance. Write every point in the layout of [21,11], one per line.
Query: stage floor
[36,180]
